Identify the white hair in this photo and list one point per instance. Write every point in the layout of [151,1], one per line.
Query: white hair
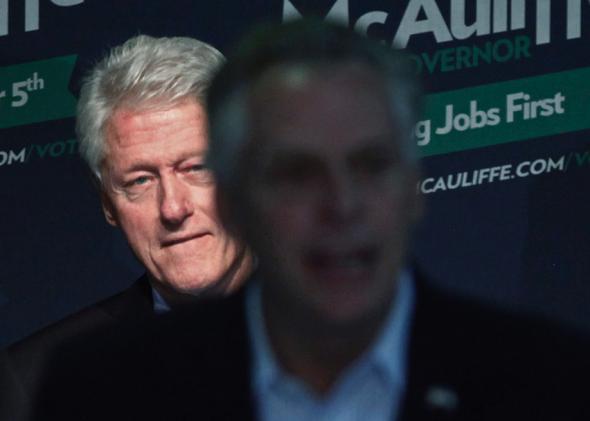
[144,72]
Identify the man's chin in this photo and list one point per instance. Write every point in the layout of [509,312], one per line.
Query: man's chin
[189,281]
[347,303]
[192,286]
[344,311]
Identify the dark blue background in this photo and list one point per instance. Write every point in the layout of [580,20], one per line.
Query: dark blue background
[523,243]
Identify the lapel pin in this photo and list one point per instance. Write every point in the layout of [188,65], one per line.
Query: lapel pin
[441,398]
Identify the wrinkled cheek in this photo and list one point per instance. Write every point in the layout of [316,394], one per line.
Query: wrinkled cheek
[137,239]
[207,204]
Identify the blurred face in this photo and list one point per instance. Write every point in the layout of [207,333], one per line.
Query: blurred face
[330,200]
[158,192]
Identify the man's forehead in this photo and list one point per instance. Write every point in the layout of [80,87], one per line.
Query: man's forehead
[152,110]
[295,76]
[291,89]
[166,135]
[126,120]
[327,104]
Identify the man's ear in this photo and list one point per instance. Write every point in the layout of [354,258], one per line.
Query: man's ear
[108,209]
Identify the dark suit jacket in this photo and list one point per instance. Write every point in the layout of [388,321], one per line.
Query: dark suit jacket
[21,364]
[466,362]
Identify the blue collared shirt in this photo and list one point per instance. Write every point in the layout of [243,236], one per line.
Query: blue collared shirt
[160,304]
[371,389]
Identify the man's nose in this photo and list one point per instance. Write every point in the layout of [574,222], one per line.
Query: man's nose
[343,198]
[175,201]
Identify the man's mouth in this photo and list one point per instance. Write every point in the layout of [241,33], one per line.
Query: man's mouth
[172,241]
[342,266]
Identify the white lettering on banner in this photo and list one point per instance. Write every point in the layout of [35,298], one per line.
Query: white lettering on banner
[10,157]
[540,166]
[21,90]
[518,106]
[499,173]
[20,157]
[410,25]
[30,153]
[474,120]
[500,16]
[422,132]
[338,12]
[481,26]
[425,17]
[31,13]
[66,3]
[3,17]
[366,20]
[574,18]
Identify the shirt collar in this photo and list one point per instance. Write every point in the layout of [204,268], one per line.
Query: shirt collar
[265,369]
[160,304]
[388,352]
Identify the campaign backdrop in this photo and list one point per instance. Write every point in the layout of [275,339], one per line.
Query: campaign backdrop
[505,141]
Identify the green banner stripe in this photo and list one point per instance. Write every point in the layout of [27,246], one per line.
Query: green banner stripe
[505,112]
[36,91]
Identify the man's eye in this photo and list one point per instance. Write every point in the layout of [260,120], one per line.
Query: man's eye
[196,167]
[139,181]
[374,162]
[135,187]
[295,170]
[198,174]
[293,173]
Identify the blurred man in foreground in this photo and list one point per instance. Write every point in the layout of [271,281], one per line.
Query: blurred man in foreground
[317,171]
[341,325]
[142,130]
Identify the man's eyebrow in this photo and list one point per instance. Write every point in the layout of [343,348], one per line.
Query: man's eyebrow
[377,148]
[138,166]
[373,143]
[286,160]
[291,156]
[387,139]
[146,164]
[379,143]
[201,154]
[291,153]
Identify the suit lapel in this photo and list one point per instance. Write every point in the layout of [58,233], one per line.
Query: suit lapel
[213,340]
[134,303]
[431,391]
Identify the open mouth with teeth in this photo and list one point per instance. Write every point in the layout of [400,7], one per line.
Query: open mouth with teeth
[355,265]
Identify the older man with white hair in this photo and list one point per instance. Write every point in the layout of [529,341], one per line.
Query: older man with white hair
[142,129]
